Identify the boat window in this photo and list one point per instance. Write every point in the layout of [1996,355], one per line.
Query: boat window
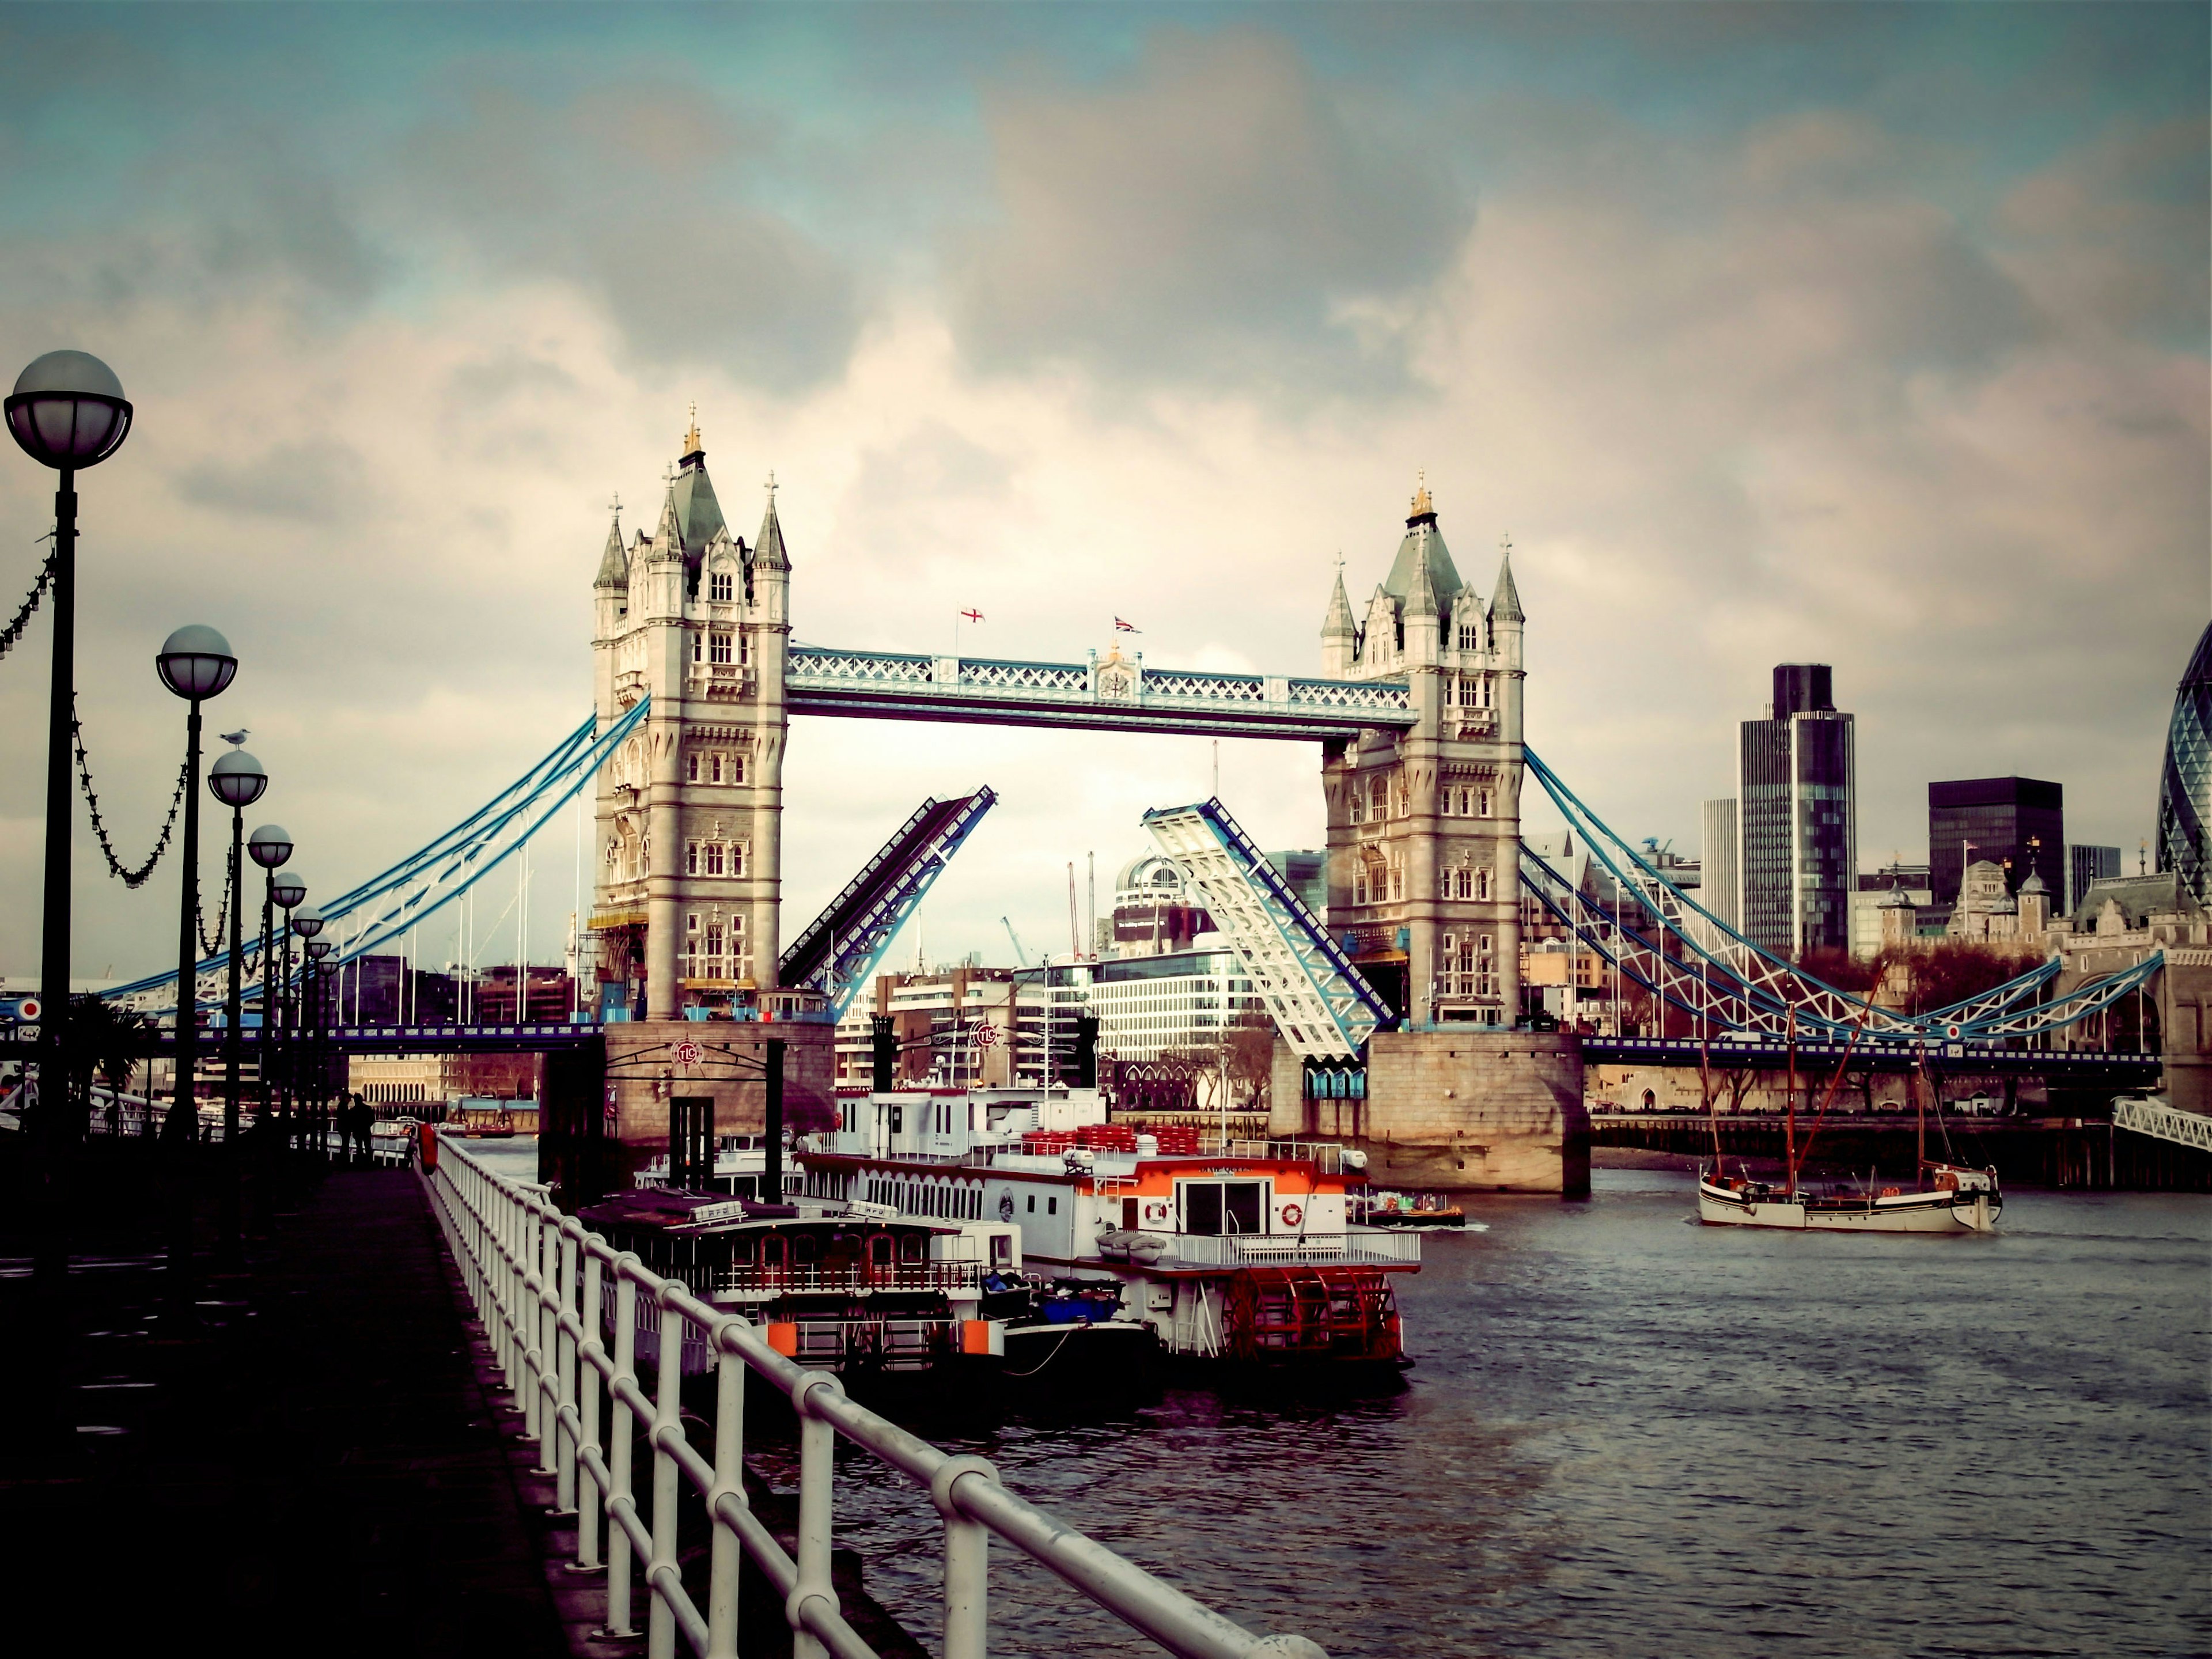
[879,1248]
[1032,1210]
[771,1253]
[1002,1247]
[805,1248]
[910,1248]
[1224,1206]
[898,1119]
[1051,1206]
[742,1252]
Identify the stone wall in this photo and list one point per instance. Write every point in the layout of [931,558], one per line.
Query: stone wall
[641,1061]
[1472,1111]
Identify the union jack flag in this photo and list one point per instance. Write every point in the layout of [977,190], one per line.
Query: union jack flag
[1121,627]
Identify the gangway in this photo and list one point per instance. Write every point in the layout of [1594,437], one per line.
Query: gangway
[1322,1005]
[2148,1114]
[838,952]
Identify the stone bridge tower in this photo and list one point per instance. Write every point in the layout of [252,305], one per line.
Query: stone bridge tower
[1425,826]
[687,837]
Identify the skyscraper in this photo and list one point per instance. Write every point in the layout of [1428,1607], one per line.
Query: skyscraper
[1797,817]
[2019,823]
[2182,812]
[1719,883]
[2085,865]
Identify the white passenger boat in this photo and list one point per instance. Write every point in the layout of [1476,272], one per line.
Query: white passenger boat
[1951,1199]
[1238,1258]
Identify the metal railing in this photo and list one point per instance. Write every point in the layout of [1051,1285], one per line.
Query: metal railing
[539,1280]
[1355,1246]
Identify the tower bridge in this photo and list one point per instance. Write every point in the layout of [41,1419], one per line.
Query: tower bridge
[1395,1007]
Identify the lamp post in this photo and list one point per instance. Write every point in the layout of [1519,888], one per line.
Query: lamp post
[318,993]
[67,411]
[306,922]
[268,846]
[237,780]
[196,662]
[289,892]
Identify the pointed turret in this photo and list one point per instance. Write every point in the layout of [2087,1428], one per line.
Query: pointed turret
[668,534]
[767,550]
[1505,601]
[614,564]
[1339,633]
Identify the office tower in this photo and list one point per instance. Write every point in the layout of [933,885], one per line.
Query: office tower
[2085,865]
[2019,823]
[1719,888]
[2183,844]
[1797,817]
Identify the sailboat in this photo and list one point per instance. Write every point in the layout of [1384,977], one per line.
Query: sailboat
[1945,1198]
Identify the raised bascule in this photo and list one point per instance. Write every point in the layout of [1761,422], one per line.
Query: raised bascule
[1396,1010]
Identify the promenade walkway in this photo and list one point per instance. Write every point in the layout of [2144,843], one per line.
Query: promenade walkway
[310,1464]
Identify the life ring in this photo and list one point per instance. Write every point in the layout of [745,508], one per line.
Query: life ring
[1292,1215]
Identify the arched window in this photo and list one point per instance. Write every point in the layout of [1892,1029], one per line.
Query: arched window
[719,588]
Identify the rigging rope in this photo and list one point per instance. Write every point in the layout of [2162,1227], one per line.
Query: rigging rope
[135,877]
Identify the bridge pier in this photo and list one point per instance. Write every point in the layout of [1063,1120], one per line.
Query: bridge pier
[1469,1111]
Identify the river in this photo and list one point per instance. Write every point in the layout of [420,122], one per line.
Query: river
[1631,1435]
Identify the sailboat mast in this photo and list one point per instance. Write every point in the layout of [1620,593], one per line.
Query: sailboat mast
[1790,1113]
[1919,1121]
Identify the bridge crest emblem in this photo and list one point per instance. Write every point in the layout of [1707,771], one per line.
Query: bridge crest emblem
[1115,678]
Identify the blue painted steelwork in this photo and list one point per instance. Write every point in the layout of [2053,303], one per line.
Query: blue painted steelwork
[420,885]
[1323,1008]
[1696,963]
[1113,693]
[1976,1058]
[838,952]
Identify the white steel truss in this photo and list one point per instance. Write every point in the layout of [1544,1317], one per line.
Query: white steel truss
[1324,1010]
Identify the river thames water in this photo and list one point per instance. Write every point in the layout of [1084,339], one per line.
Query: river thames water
[1631,1435]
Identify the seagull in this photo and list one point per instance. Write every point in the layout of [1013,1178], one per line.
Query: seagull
[234,738]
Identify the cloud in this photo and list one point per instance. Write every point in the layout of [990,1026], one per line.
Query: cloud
[316,481]
[1209,216]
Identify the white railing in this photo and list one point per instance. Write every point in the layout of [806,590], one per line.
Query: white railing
[539,1280]
[1354,1246]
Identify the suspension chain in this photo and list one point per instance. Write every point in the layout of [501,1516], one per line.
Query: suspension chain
[221,918]
[128,878]
[13,631]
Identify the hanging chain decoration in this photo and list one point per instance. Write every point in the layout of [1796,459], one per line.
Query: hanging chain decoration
[222,920]
[128,878]
[13,631]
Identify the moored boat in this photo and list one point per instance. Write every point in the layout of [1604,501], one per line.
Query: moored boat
[1241,1258]
[1951,1200]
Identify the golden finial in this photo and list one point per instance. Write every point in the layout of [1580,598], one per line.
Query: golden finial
[692,437]
[1421,501]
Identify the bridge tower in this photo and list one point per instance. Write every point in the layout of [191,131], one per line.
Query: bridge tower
[1424,825]
[688,839]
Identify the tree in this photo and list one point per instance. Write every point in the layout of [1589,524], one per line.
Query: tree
[106,1041]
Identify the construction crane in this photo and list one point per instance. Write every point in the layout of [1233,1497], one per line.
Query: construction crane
[1021,957]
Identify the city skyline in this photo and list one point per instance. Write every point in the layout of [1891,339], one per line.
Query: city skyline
[1821,371]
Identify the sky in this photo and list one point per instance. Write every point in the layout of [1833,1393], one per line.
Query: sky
[1876,337]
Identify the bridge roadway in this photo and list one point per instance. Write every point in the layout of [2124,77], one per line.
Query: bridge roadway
[2075,1068]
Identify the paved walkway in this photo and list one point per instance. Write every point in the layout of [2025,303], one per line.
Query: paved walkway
[313,1466]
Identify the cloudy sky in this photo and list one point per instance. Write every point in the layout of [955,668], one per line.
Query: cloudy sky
[1873,336]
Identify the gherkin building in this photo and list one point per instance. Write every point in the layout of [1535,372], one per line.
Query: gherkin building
[2184,843]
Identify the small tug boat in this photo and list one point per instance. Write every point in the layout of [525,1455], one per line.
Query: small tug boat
[1244,1260]
[1952,1199]
[1387,1209]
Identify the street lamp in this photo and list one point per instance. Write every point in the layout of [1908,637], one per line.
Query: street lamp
[289,892]
[268,846]
[306,922]
[196,662]
[237,780]
[67,411]
[317,994]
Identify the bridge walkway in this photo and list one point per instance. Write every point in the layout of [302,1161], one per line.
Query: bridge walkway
[313,1461]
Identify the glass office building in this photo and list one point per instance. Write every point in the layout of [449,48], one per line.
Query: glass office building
[1797,820]
[2185,779]
[2018,823]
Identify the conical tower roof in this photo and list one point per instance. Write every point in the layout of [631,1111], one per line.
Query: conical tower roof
[1505,601]
[614,564]
[768,551]
[668,534]
[1338,620]
[1423,550]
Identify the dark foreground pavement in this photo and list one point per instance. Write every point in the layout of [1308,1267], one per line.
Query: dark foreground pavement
[306,1463]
